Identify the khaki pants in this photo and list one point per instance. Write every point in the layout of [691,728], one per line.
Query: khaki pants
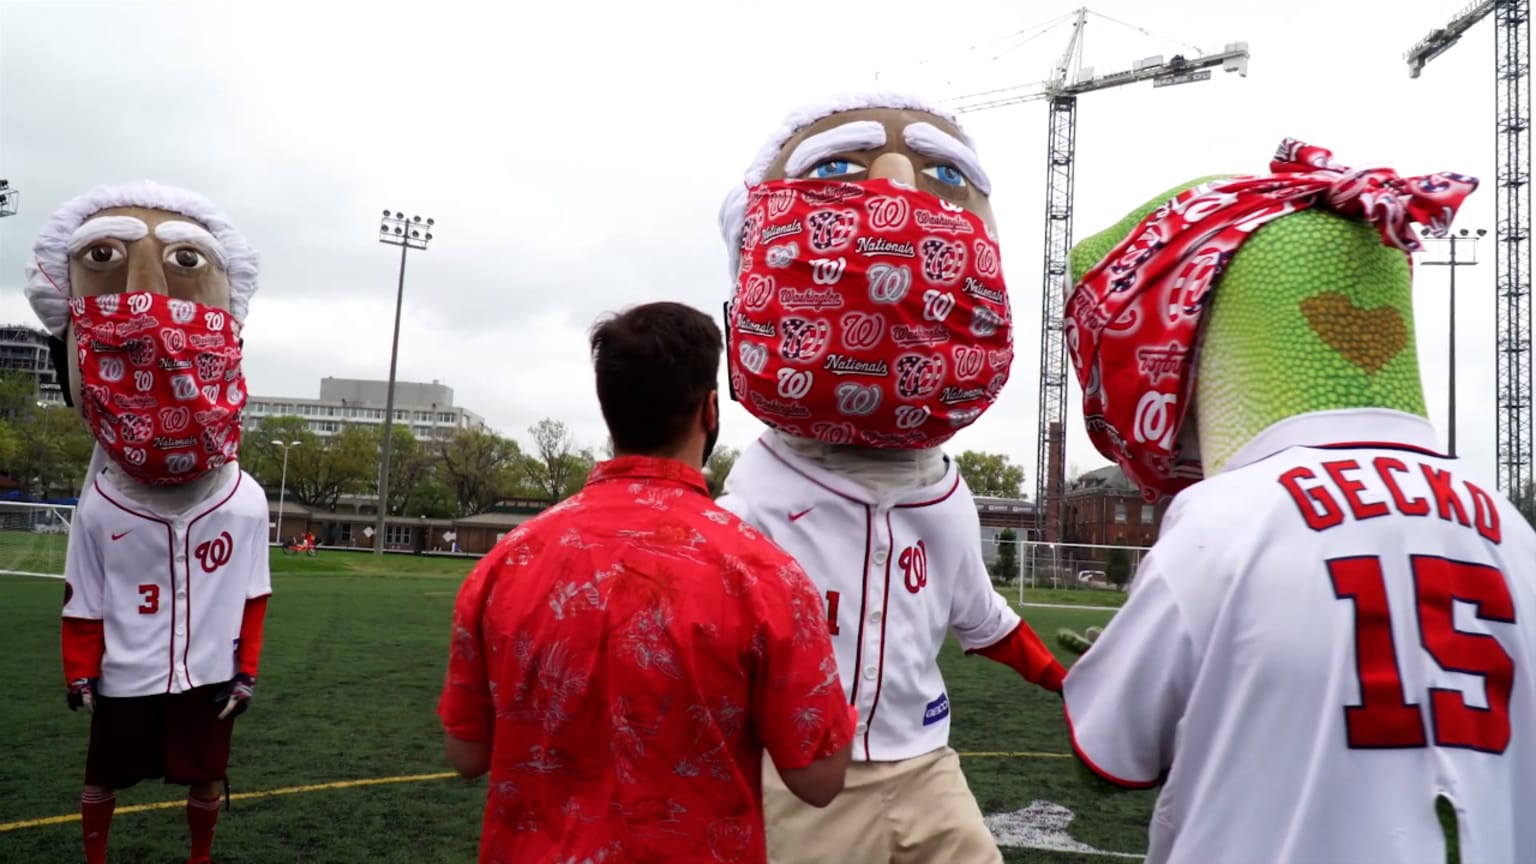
[916,811]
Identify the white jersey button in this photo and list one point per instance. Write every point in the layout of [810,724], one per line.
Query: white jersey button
[861,728]
[880,558]
[870,672]
[874,617]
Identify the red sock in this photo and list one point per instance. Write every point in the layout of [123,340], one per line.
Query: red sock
[201,817]
[95,819]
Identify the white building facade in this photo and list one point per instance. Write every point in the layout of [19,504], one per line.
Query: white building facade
[426,409]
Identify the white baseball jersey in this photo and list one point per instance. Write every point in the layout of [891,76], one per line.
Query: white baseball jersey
[169,589]
[898,571]
[1327,635]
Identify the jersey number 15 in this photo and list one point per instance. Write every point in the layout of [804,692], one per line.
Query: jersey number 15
[1385,718]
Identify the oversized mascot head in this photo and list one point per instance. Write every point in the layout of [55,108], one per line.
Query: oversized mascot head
[1241,301]
[868,306]
[144,289]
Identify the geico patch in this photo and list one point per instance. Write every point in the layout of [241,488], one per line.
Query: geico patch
[937,710]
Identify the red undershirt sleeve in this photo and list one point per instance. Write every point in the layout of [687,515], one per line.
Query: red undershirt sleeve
[252,626]
[84,644]
[1024,652]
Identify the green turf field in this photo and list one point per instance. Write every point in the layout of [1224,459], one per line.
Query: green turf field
[354,656]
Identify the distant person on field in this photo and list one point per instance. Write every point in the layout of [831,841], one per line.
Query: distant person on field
[621,662]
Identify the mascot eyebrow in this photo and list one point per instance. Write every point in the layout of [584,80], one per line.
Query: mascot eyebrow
[857,135]
[93,231]
[934,142]
[176,231]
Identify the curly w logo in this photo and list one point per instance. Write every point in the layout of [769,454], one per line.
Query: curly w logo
[215,553]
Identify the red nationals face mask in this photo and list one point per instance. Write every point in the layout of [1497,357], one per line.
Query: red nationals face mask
[160,386]
[866,313]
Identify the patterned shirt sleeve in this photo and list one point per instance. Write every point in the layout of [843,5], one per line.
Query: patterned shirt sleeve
[799,706]
[466,709]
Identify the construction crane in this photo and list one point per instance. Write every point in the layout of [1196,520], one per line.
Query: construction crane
[1068,81]
[1513,428]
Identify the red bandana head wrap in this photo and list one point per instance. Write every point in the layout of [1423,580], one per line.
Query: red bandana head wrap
[866,313]
[1137,385]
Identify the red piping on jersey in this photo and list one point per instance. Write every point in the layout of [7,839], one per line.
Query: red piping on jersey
[1378,445]
[170,566]
[186,542]
[1078,751]
[939,500]
[858,646]
[885,604]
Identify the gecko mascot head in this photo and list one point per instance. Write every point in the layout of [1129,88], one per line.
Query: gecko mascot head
[144,289]
[1256,298]
[868,308]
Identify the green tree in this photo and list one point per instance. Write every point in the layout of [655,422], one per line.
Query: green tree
[410,464]
[320,469]
[479,468]
[433,499]
[990,474]
[1117,567]
[556,469]
[18,394]
[1525,502]
[10,445]
[1006,566]
[51,450]
[719,467]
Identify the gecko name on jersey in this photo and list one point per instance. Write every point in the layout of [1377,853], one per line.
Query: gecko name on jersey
[922,575]
[169,589]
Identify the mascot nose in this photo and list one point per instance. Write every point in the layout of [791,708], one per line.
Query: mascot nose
[145,272]
[893,166]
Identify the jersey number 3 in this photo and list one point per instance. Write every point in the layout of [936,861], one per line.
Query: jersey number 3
[1385,718]
[151,597]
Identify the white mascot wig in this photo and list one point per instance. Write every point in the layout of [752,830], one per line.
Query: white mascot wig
[48,273]
[733,212]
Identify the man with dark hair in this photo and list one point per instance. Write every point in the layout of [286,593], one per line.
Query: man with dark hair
[621,662]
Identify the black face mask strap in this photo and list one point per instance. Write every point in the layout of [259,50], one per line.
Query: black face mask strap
[58,352]
[725,317]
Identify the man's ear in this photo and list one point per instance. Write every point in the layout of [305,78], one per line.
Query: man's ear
[58,352]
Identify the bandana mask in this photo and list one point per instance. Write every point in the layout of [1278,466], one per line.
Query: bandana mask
[161,386]
[1133,322]
[866,313]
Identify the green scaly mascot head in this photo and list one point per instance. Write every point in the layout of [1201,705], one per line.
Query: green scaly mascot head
[1236,302]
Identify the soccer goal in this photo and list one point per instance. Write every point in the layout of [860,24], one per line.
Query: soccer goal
[33,538]
[1075,566]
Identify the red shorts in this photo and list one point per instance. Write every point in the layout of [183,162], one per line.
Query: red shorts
[178,736]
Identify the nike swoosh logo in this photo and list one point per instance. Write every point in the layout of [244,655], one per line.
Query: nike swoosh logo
[122,535]
[795,516]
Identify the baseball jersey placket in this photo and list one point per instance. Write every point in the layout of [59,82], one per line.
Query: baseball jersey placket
[877,595]
[181,582]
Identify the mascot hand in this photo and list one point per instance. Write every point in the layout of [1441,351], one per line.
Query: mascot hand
[1078,643]
[82,694]
[236,695]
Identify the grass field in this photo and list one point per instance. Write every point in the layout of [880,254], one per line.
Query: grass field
[354,657]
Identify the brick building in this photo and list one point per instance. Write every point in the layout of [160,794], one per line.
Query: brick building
[1105,509]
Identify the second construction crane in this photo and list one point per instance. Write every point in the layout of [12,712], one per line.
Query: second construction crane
[1514,430]
[1068,81]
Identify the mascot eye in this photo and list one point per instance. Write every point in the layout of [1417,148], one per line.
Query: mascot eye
[834,168]
[104,253]
[185,258]
[946,174]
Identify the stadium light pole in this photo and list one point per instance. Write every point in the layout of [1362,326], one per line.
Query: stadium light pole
[282,486]
[8,198]
[1462,236]
[413,233]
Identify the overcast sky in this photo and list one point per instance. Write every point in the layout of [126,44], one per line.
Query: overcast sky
[574,156]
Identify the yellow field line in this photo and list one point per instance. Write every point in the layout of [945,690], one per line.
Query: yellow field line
[413,778]
[238,796]
[1017,754]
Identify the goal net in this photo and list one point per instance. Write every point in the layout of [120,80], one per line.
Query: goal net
[33,538]
[1068,566]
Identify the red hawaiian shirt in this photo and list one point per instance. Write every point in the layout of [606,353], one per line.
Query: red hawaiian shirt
[631,653]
